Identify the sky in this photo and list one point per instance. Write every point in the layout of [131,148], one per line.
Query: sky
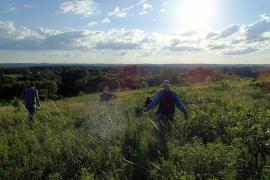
[135,31]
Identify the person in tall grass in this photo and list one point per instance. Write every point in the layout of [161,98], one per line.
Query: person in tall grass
[167,100]
[106,95]
[31,101]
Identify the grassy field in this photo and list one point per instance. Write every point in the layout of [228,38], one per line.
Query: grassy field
[226,136]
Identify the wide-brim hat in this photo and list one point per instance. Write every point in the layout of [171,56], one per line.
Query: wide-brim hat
[166,83]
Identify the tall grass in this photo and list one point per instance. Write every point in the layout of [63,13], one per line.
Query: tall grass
[225,137]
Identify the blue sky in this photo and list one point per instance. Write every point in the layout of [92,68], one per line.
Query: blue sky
[130,31]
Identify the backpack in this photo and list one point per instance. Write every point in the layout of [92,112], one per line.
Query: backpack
[167,103]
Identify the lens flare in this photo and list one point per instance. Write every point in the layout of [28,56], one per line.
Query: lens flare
[194,13]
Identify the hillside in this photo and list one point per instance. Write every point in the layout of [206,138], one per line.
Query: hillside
[226,136]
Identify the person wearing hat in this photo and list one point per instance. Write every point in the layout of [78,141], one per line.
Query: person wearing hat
[167,100]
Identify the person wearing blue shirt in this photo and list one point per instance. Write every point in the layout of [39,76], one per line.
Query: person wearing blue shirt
[167,100]
[31,101]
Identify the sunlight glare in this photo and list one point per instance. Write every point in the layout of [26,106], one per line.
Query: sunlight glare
[195,13]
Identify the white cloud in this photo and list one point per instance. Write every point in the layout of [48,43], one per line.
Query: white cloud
[184,48]
[9,31]
[79,7]
[143,13]
[120,13]
[27,6]
[184,42]
[255,31]
[11,8]
[224,33]
[121,39]
[218,46]
[233,40]
[165,3]
[162,10]
[242,51]
[146,8]
[93,23]
[116,45]
[229,31]
[106,21]
[211,35]
[141,2]
[48,39]
[48,32]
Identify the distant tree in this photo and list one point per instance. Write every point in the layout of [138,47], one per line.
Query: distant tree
[47,89]
[200,74]
[130,71]
[111,82]
[153,80]
[173,76]
[70,76]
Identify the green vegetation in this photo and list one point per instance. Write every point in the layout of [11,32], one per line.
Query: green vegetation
[226,136]
[56,82]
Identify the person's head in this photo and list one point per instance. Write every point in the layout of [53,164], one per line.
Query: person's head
[106,89]
[148,99]
[166,84]
[32,85]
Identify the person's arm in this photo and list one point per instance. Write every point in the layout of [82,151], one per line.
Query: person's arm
[153,103]
[180,105]
[37,98]
[23,94]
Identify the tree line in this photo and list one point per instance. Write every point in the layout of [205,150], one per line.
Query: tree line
[58,82]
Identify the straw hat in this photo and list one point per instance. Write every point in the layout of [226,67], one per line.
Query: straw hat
[166,83]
